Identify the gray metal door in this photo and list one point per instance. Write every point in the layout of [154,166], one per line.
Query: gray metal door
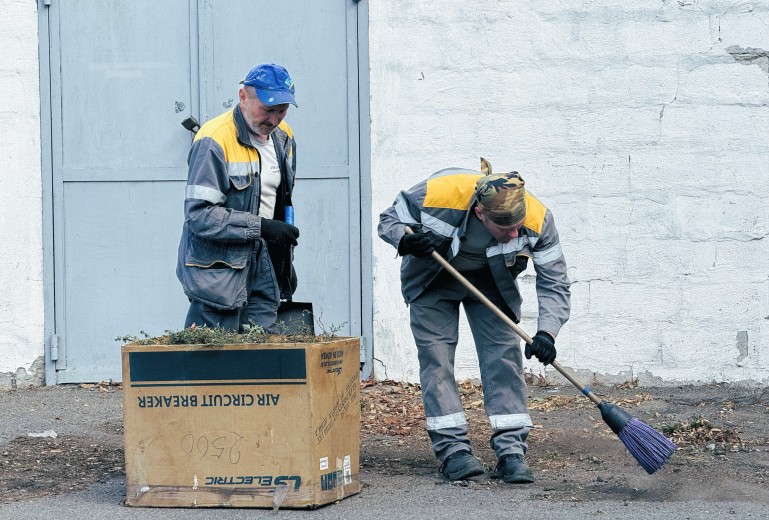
[317,43]
[122,78]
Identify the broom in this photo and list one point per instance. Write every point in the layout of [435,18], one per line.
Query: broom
[648,446]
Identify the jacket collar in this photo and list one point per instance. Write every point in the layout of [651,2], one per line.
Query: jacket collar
[463,226]
[240,124]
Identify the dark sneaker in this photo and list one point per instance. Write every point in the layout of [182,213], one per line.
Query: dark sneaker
[461,465]
[514,470]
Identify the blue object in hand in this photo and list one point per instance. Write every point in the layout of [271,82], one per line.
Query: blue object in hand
[290,215]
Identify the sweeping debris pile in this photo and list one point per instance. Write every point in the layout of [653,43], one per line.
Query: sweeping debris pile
[701,432]
[395,409]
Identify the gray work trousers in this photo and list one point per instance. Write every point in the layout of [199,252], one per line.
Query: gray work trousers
[435,325]
[262,305]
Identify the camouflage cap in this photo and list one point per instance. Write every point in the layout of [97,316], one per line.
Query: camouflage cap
[502,197]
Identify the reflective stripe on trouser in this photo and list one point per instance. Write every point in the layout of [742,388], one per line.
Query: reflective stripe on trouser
[263,299]
[435,323]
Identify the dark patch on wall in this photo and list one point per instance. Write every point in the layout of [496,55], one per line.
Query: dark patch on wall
[750,56]
[742,344]
[33,376]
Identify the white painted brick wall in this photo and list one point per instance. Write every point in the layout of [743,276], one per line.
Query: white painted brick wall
[21,279]
[643,125]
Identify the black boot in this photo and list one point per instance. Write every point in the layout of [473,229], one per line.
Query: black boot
[514,470]
[461,465]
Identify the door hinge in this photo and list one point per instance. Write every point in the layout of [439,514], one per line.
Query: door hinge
[54,347]
[363,349]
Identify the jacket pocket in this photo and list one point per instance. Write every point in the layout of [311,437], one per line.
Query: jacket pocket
[241,182]
[216,275]
[205,253]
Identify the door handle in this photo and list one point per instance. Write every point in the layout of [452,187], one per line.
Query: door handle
[191,124]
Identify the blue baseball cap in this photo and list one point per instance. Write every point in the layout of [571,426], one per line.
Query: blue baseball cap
[272,83]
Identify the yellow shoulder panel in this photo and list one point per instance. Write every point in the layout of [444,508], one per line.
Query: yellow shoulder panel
[222,130]
[451,191]
[214,127]
[535,214]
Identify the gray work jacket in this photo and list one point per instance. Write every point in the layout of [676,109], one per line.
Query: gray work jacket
[221,223]
[442,204]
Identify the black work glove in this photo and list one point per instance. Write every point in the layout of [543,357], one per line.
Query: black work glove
[423,243]
[543,347]
[278,232]
[520,265]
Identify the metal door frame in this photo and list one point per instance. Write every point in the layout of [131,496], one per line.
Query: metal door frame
[46,143]
[366,203]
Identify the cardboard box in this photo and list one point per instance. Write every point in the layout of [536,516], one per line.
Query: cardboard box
[257,425]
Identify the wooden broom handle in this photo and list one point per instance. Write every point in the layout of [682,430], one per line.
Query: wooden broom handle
[518,330]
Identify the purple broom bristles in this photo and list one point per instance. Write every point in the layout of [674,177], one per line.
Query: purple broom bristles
[649,447]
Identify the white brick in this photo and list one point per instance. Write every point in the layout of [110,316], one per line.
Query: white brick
[667,166]
[745,25]
[739,127]
[740,216]
[668,261]
[723,82]
[645,301]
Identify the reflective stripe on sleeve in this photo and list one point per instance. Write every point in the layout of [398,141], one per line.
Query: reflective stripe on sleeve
[548,255]
[211,195]
[402,209]
[514,246]
[437,225]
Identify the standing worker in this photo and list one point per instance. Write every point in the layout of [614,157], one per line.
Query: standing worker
[235,254]
[487,226]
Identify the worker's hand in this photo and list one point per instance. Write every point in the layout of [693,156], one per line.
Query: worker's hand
[521,262]
[542,347]
[278,232]
[422,243]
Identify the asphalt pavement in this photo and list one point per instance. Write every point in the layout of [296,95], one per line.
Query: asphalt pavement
[382,498]
[73,411]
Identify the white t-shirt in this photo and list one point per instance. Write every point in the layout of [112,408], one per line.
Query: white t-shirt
[269,176]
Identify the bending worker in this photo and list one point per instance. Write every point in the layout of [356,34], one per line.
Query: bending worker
[487,226]
[235,254]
